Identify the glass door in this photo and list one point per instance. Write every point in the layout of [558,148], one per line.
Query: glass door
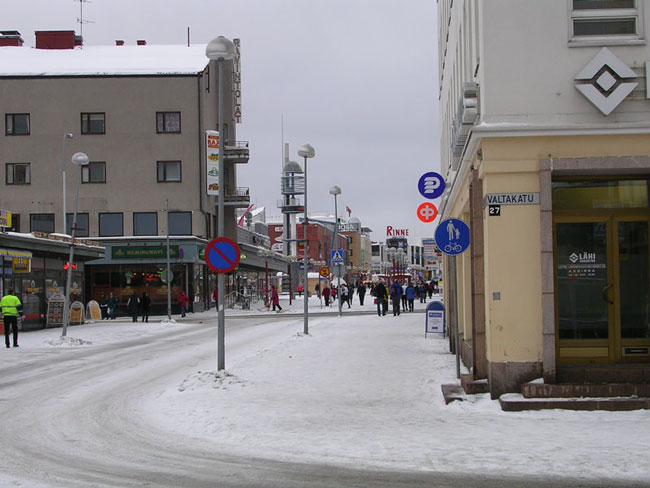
[602,289]
[584,290]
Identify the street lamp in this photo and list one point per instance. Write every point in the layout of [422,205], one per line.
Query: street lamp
[336,191]
[220,50]
[306,151]
[79,159]
[65,136]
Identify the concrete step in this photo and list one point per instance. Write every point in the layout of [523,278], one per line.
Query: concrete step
[472,386]
[604,373]
[515,402]
[577,390]
[453,392]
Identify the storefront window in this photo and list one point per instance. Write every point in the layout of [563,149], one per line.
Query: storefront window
[600,194]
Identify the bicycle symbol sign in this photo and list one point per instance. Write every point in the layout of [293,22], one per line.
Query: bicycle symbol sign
[452,236]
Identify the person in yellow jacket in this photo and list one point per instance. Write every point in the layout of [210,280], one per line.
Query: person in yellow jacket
[11,310]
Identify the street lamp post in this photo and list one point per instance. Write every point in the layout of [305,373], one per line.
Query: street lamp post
[79,159]
[220,50]
[65,136]
[336,191]
[306,151]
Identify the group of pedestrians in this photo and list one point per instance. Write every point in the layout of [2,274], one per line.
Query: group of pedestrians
[108,306]
[139,306]
[346,293]
[401,296]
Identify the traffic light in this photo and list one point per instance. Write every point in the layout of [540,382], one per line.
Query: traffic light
[66,266]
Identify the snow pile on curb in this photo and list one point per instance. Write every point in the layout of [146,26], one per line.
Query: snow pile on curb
[67,342]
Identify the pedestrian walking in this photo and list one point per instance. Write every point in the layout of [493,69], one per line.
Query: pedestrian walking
[410,295]
[422,289]
[299,290]
[430,289]
[344,295]
[133,305]
[145,303]
[113,303]
[215,296]
[396,297]
[275,299]
[103,306]
[326,295]
[361,291]
[404,296]
[380,296]
[317,289]
[351,293]
[184,302]
[12,309]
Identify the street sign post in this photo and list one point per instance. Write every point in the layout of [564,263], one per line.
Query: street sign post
[453,238]
[166,276]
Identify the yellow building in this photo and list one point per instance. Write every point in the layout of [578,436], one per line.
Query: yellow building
[545,130]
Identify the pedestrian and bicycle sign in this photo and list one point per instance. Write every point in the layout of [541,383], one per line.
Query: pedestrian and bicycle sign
[452,236]
[222,255]
[336,256]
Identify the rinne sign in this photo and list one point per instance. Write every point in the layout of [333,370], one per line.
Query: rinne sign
[392,232]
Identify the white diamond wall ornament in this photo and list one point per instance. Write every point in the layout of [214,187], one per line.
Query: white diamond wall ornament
[602,81]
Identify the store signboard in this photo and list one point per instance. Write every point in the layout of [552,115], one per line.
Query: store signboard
[144,252]
[212,161]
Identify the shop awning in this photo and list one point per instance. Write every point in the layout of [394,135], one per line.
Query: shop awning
[13,253]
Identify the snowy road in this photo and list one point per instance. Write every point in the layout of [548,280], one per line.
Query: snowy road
[74,417]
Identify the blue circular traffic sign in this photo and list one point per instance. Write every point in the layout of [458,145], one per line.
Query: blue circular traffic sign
[222,255]
[431,185]
[452,236]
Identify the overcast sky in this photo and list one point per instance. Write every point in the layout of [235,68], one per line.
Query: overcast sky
[356,79]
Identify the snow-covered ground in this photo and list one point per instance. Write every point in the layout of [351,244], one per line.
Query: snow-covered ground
[362,391]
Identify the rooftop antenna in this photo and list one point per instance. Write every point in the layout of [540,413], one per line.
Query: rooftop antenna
[80,19]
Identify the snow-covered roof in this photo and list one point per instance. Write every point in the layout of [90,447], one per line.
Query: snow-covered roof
[103,61]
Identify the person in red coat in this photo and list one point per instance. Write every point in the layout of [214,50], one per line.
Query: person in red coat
[326,296]
[184,302]
[275,299]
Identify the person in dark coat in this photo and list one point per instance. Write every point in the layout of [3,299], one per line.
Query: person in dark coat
[361,291]
[410,296]
[133,304]
[113,303]
[145,304]
[396,297]
[423,292]
[103,306]
[380,294]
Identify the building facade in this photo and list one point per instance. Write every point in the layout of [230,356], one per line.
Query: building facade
[140,113]
[545,147]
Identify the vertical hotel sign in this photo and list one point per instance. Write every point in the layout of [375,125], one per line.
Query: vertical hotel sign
[236,82]
[212,161]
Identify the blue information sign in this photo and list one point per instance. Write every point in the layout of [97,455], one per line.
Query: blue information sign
[336,256]
[431,185]
[452,236]
[435,319]
[222,255]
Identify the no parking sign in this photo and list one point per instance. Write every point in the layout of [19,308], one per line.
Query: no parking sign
[222,255]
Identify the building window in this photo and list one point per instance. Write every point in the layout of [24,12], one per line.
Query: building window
[168,122]
[95,172]
[41,223]
[180,223]
[18,174]
[145,224]
[169,171]
[17,124]
[82,225]
[604,21]
[93,123]
[111,224]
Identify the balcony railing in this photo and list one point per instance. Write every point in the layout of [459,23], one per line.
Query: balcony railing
[237,195]
[236,151]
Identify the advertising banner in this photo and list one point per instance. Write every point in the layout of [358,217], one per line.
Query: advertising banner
[212,160]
